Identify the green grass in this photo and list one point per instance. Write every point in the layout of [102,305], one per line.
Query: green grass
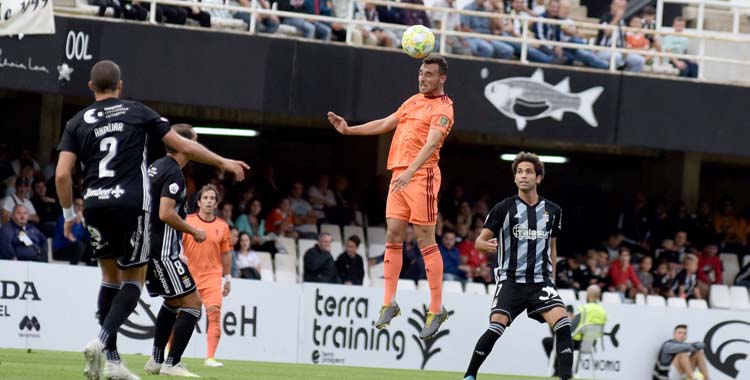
[56,365]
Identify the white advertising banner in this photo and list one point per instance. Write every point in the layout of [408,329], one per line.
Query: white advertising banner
[26,17]
[46,306]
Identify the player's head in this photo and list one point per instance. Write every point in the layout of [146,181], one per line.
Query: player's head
[528,171]
[105,78]
[184,130]
[208,198]
[432,74]
[20,215]
[680,333]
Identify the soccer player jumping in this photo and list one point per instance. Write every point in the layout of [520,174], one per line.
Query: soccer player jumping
[422,123]
[523,230]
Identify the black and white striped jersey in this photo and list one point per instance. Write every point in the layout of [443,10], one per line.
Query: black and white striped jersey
[167,181]
[524,233]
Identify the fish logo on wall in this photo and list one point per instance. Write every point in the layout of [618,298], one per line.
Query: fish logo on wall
[523,99]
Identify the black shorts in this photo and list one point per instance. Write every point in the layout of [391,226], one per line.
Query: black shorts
[512,298]
[120,233]
[169,277]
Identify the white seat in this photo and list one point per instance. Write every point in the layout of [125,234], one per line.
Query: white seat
[730,266]
[288,244]
[611,297]
[376,235]
[640,299]
[568,295]
[285,277]
[655,300]
[582,295]
[406,285]
[676,302]
[266,275]
[375,250]
[746,260]
[333,230]
[377,282]
[697,304]
[285,263]
[376,272]
[740,298]
[452,287]
[265,261]
[228,23]
[355,231]
[476,288]
[719,297]
[423,285]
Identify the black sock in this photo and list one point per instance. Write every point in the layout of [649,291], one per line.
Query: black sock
[183,330]
[564,348]
[163,329]
[122,305]
[484,347]
[107,293]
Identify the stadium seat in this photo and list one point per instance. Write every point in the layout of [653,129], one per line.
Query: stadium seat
[697,304]
[266,275]
[284,263]
[375,250]
[611,297]
[568,295]
[406,285]
[730,267]
[719,297]
[476,288]
[740,298]
[655,300]
[285,277]
[582,295]
[227,24]
[452,287]
[676,302]
[746,260]
[332,229]
[640,299]
[376,235]
[356,231]
[265,261]
[423,285]
[376,272]
[377,282]
[288,244]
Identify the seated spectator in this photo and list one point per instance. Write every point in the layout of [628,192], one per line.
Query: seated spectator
[129,10]
[679,45]
[171,14]
[685,283]
[454,267]
[589,273]
[305,219]
[385,38]
[613,244]
[644,274]
[709,266]
[252,224]
[263,23]
[28,172]
[479,270]
[636,39]
[321,197]
[74,251]
[360,34]
[680,360]
[281,220]
[454,44]
[308,29]
[411,16]
[549,32]
[47,208]
[202,17]
[743,278]
[248,261]
[318,262]
[20,196]
[539,8]
[20,240]
[413,262]
[663,278]
[604,264]
[623,278]
[464,215]
[349,264]
[243,203]
[226,211]
[565,272]
[668,252]
[616,17]
[462,233]
[533,52]
[475,24]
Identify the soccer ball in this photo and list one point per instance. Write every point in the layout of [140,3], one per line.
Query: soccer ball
[698,375]
[418,41]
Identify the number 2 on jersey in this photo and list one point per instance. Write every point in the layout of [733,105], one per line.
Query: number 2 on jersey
[109,145]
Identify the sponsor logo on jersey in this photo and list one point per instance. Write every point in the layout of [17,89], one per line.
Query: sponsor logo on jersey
[152,171]
[92,116]
[174,188]
[522,232]
[104,194]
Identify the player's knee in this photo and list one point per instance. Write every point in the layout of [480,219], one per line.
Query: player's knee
[394,236]
[499,318]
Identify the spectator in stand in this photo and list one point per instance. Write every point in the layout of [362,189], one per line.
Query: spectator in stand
[384,38]
[415,16]
[743,278]
[20,240]
[539,8]
[27,171]
[663,278]
[281,220]
[615,17]
[680,360]
[533,52]
[565,272]
[22,186]
[636,39]
[649,22]
[623,278]
[46,208]
[686,281]
[454,267]
[243,203]
[550,32]
[318,262]
[304,216]
[360,35]
[462,233]
[589,273]
[668,253]
[681,244]
[24,156]
[703,231]
[454,44]
[613,244]
[349,264]
[730,228]
[194,12]
[479,270]
[248,261]
[321,197]
[644,274]
[226,212]
[64,249]
[709,268]
[308,29]
[263,23]
[322,8]
[464,214]
[413,262]
[679,45]
[253,225]
[476,24]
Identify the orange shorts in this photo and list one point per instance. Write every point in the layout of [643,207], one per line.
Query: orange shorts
[417,203]
[211,293]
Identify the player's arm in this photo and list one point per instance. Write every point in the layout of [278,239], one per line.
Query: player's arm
[64,185]
[168,215]
[553,256]
[197,152]
[486,241]
[434,137]
[375,127]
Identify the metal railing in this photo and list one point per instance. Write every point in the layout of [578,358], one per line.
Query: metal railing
[736,7]
[526,39]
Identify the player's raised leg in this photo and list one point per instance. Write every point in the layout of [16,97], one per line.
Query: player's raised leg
[433,263]
[392,263]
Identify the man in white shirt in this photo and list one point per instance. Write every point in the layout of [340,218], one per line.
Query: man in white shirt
[454,44]
[19,197]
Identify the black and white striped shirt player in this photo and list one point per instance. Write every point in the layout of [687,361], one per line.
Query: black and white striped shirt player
[524,233]
[109,138]
[167,275]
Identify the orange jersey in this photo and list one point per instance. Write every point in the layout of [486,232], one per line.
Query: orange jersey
[416,117]
[205,258]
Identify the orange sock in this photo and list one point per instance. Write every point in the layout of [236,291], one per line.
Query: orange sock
[392,270]
[214,331]
[433,264]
